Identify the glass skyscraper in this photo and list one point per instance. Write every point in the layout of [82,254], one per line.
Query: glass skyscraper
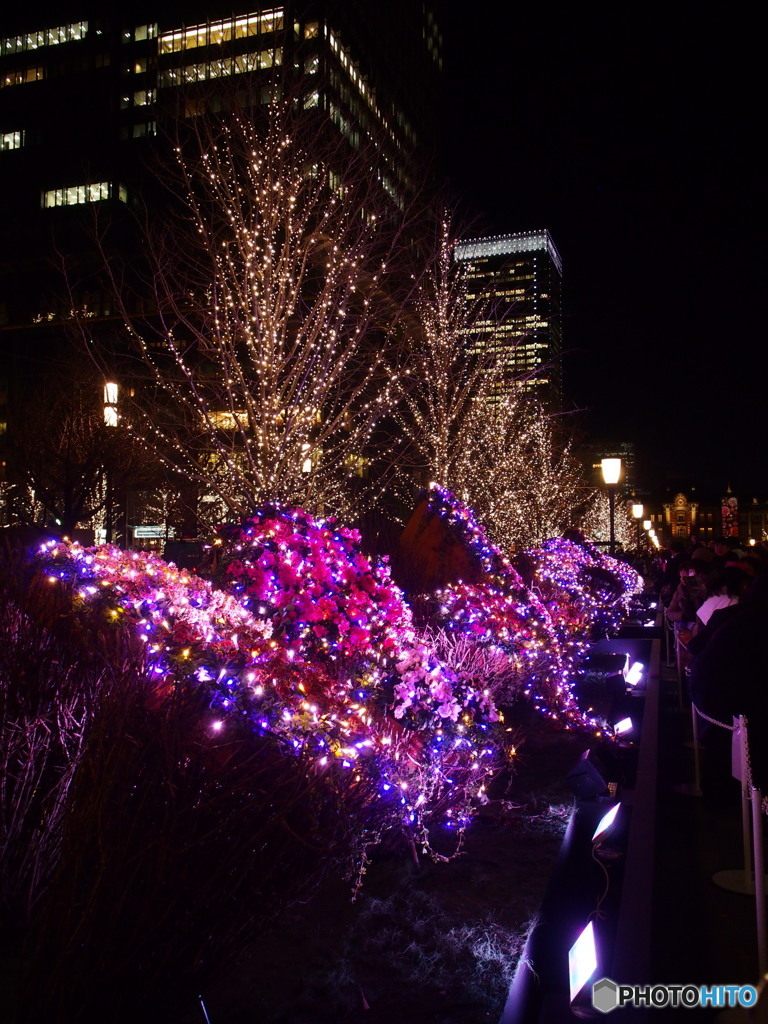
[518,277]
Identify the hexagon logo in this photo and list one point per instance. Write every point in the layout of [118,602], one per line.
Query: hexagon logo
[605,995]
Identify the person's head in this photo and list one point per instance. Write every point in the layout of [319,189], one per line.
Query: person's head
[749,565]
[703,555]
[720,546]
[731,580]
[702,567]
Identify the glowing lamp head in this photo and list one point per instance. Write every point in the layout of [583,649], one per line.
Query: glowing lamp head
[582,960]
[611,470]
[634,673]
[637,511]
[605,824]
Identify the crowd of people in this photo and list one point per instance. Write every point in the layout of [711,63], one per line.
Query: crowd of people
[716,595]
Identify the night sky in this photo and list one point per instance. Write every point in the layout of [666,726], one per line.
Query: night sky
[638,143]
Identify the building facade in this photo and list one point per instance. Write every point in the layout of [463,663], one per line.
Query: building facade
[685,515]
[88,101]
[518,279]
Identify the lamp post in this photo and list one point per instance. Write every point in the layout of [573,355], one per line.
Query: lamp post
[611,472]
[637,515]
[110,420]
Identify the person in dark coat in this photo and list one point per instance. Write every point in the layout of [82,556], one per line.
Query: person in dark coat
[729,677]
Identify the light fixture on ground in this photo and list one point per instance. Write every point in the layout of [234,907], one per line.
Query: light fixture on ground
[633,673]
[586,778]
[582,960]
[605,825]
[611,469]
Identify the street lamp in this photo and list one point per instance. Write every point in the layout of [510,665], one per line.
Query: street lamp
[637,515]
[611,472]
[110,420]
[110,403]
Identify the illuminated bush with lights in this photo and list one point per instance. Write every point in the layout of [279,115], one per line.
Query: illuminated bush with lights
[541,617]
[324,599]
[335,614]
[504,615]
[585,591]
[356,694]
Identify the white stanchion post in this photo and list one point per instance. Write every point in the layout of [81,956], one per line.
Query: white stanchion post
[743,776]
[735,880]
[757,837]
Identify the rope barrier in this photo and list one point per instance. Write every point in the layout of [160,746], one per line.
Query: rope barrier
[714,721]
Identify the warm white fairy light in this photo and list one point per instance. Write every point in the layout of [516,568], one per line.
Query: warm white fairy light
[519,474]
[504,457]
[274,387]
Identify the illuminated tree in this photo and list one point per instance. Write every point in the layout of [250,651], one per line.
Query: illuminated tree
[596,524]
[494,447]
[272,301]
[520,475]
[446,389]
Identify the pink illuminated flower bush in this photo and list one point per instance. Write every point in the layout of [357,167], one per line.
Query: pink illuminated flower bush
[587,590]
[324,599]
[542,622]
[330,606]
[375,720]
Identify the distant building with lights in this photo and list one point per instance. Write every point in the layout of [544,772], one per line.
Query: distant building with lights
[85,99]
[520,275]
[682,515]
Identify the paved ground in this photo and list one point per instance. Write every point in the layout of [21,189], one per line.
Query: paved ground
[702,933]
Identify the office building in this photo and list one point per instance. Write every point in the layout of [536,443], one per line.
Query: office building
[87,93]
[83,100]
[518,280]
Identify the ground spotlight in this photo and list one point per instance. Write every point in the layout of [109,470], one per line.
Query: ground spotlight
[634,673]
[582,960]
[605,824]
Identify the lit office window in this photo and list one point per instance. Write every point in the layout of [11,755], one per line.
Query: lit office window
[221,31]
[145,129]
[21,76]
[78,195]
[45,37]
[11,140]
[221,68]
[144,32]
